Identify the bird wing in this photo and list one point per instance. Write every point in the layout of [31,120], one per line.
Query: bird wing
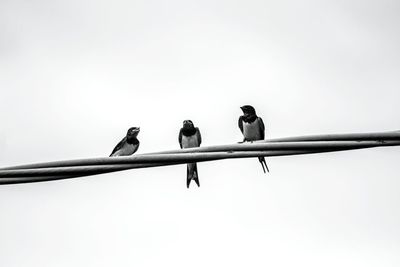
[119,146]
[198,135]
[240,123]
[180,138]
[261,127]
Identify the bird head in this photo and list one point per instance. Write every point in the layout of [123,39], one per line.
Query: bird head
[188,124]
[247,109]
[133,131]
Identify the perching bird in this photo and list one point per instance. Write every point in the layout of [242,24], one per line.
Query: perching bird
[252,128]
[128,145]
[189,136]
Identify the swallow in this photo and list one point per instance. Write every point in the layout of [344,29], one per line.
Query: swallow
[189,136]
[128,145]
[252,128]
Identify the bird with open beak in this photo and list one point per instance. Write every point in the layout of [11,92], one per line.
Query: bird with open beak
[128,145]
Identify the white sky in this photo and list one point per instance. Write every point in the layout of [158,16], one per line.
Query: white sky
[75,75]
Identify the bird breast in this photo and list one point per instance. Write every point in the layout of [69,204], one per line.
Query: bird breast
[126,150]
[251,131]
[190,141]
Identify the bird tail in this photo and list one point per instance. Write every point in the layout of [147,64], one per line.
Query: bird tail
[192,174]
[263,163]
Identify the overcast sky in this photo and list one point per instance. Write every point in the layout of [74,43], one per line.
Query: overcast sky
[75,75]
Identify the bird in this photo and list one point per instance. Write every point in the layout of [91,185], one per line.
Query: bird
[252,128]
[128,145]
[189,136]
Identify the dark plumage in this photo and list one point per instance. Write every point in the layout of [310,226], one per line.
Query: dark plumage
[189,136]
[128,145]
[252,128]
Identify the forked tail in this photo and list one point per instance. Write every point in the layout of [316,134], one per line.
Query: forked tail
[263,163]
[192,174]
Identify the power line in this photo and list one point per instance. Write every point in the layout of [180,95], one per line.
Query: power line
[270,148]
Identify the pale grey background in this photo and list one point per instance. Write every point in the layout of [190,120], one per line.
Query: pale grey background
[75,75]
